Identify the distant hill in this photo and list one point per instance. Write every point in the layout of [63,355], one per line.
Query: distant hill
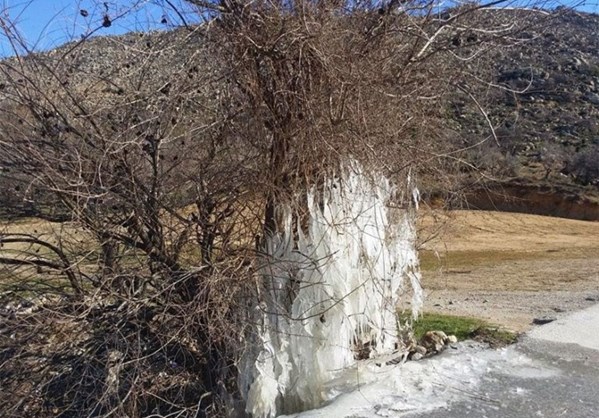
[541,95]
[542,98]
[546,107]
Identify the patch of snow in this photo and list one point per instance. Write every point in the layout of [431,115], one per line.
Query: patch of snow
[519,391]
[578,328]
[370,391]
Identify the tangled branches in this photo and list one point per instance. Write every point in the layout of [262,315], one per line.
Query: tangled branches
[168,159]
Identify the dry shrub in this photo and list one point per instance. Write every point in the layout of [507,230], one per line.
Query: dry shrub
[174,155]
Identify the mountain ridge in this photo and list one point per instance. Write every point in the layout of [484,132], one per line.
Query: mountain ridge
[541,96]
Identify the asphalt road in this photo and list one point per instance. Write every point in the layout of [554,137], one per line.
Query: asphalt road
[562,379]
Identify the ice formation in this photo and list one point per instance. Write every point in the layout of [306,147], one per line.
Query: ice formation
[331,287]
[420,387]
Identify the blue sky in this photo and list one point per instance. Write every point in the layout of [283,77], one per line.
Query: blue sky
[48,23]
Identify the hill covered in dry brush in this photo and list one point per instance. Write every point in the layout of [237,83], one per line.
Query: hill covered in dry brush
[528,116]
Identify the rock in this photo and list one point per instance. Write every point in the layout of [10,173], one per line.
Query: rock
[434,341]
[591,298]
[419,349]
[417,352]
[452,339]
[592,98]
[543,320]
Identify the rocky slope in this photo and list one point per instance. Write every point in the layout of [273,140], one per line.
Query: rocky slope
[541,95]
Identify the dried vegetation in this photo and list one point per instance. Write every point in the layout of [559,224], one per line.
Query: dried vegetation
[171,181]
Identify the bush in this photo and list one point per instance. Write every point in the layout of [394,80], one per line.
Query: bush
[584,166]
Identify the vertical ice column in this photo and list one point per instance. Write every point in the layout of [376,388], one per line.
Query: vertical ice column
[331,288]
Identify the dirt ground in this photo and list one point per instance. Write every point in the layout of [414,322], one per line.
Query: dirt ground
[508,268]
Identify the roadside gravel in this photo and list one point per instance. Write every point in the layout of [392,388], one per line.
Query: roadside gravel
[509,268]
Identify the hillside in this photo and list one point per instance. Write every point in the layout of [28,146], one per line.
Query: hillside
[542,97]
[540,93]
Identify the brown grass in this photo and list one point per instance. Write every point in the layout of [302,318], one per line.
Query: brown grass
[499,231]
[507,267]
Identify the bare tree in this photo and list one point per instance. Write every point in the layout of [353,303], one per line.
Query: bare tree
[171,164]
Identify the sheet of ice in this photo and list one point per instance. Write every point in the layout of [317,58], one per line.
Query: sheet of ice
[367,390]
[578,328]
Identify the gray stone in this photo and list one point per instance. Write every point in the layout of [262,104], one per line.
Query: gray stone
[543,320]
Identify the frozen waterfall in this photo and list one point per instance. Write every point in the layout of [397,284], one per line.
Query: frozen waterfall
[332,284]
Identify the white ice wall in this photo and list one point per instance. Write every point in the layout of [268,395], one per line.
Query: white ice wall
[329,285]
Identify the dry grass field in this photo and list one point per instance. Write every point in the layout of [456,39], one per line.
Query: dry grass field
[506,267]
[67,236]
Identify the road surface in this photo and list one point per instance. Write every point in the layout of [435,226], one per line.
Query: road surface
[552,372]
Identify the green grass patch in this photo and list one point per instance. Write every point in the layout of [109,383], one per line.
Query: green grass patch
[462,327]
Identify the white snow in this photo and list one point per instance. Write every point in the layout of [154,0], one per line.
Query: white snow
[577,328]
[331,286]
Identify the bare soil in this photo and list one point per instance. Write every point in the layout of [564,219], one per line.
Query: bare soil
[508,268]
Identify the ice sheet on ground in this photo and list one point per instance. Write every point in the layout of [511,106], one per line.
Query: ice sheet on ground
[370,391]
[578,328]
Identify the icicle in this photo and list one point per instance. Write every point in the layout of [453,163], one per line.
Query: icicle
[331,289]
